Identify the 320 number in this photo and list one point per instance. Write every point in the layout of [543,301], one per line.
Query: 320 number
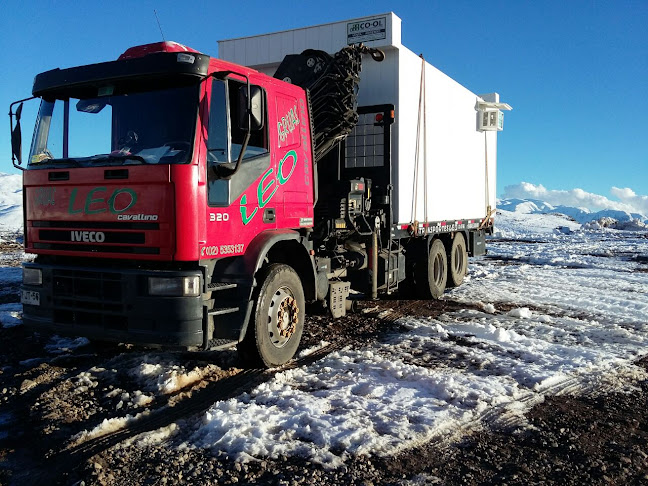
[218,217]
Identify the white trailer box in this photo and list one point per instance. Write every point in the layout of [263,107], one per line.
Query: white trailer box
[457,153]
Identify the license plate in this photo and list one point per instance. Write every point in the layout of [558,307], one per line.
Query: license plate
[30,297]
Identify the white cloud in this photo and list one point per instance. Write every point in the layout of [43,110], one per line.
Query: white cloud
[628,200]
[628,196]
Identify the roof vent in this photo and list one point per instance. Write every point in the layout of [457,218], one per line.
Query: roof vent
[167,46]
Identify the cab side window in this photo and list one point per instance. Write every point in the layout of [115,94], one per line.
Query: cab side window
[258,143]
[225,140]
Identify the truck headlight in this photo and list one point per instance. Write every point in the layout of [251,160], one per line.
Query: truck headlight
[174,286]
[32,276]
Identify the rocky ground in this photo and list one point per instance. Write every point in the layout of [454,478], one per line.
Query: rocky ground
[47,399]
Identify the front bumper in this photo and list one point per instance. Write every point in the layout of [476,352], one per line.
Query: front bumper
[113,304]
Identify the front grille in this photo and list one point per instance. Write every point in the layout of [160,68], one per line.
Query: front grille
[89,297]
[105,321]
[96,237]
[96,285]
[134,250]
[126,225]
[107,236]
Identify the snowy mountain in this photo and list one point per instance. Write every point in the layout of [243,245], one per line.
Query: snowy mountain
[535,212]
[11,215]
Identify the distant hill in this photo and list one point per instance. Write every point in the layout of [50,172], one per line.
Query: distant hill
[11,214]
[580,215]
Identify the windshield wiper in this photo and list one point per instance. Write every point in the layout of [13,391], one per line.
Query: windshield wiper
[54,161]
[122,157]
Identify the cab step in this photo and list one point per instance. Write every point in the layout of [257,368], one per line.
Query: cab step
[217,344]
[222,310]
[221,286]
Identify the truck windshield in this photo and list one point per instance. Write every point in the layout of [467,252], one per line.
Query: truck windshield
[149,127]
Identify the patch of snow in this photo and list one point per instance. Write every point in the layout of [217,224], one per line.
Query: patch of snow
[312,349]
[31,362]
[170,380]
[107,426]
[522,313]
[58,344]
[10,276]
[350,403]
[157,373]
[153,438]
[11,315]
[84,381]
[489,308]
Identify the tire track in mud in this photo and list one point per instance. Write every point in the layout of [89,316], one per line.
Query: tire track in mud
[58,466]
[374,321]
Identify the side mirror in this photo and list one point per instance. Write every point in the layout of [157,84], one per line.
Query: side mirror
[16,137]
[251,111]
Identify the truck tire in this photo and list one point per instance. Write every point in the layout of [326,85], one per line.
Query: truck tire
[431,274]
[277,323]
[458,261]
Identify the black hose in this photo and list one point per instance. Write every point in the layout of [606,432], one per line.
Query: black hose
[332,82]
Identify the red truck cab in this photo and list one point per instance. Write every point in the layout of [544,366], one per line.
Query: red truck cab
[156,186]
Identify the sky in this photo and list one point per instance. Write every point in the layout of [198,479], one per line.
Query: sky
[575,72]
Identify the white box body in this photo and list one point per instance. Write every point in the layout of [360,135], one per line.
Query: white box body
[461,159]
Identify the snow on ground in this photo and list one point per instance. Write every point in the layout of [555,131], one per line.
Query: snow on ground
[9,277]
[106,427]
[562,310]
[168,377]
[578,319]
[11,314]
[60,345]
[371,401]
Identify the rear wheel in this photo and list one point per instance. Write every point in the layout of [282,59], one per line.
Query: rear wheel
[458,261]
[431,278]
[437,269]
[277,323]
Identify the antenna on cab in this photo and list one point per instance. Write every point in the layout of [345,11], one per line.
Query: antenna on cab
[159,26]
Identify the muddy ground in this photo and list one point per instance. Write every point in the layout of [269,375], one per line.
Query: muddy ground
[45,404]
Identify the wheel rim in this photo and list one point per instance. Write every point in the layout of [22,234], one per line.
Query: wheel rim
[438,269]
[283,315]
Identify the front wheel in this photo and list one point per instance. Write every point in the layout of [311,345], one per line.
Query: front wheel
[277,323]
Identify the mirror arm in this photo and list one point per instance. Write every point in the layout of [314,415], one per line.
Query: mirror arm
[225,171]
[18,114]
[242,153]
[19,101]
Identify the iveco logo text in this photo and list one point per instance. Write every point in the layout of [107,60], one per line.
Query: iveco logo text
[88,236]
